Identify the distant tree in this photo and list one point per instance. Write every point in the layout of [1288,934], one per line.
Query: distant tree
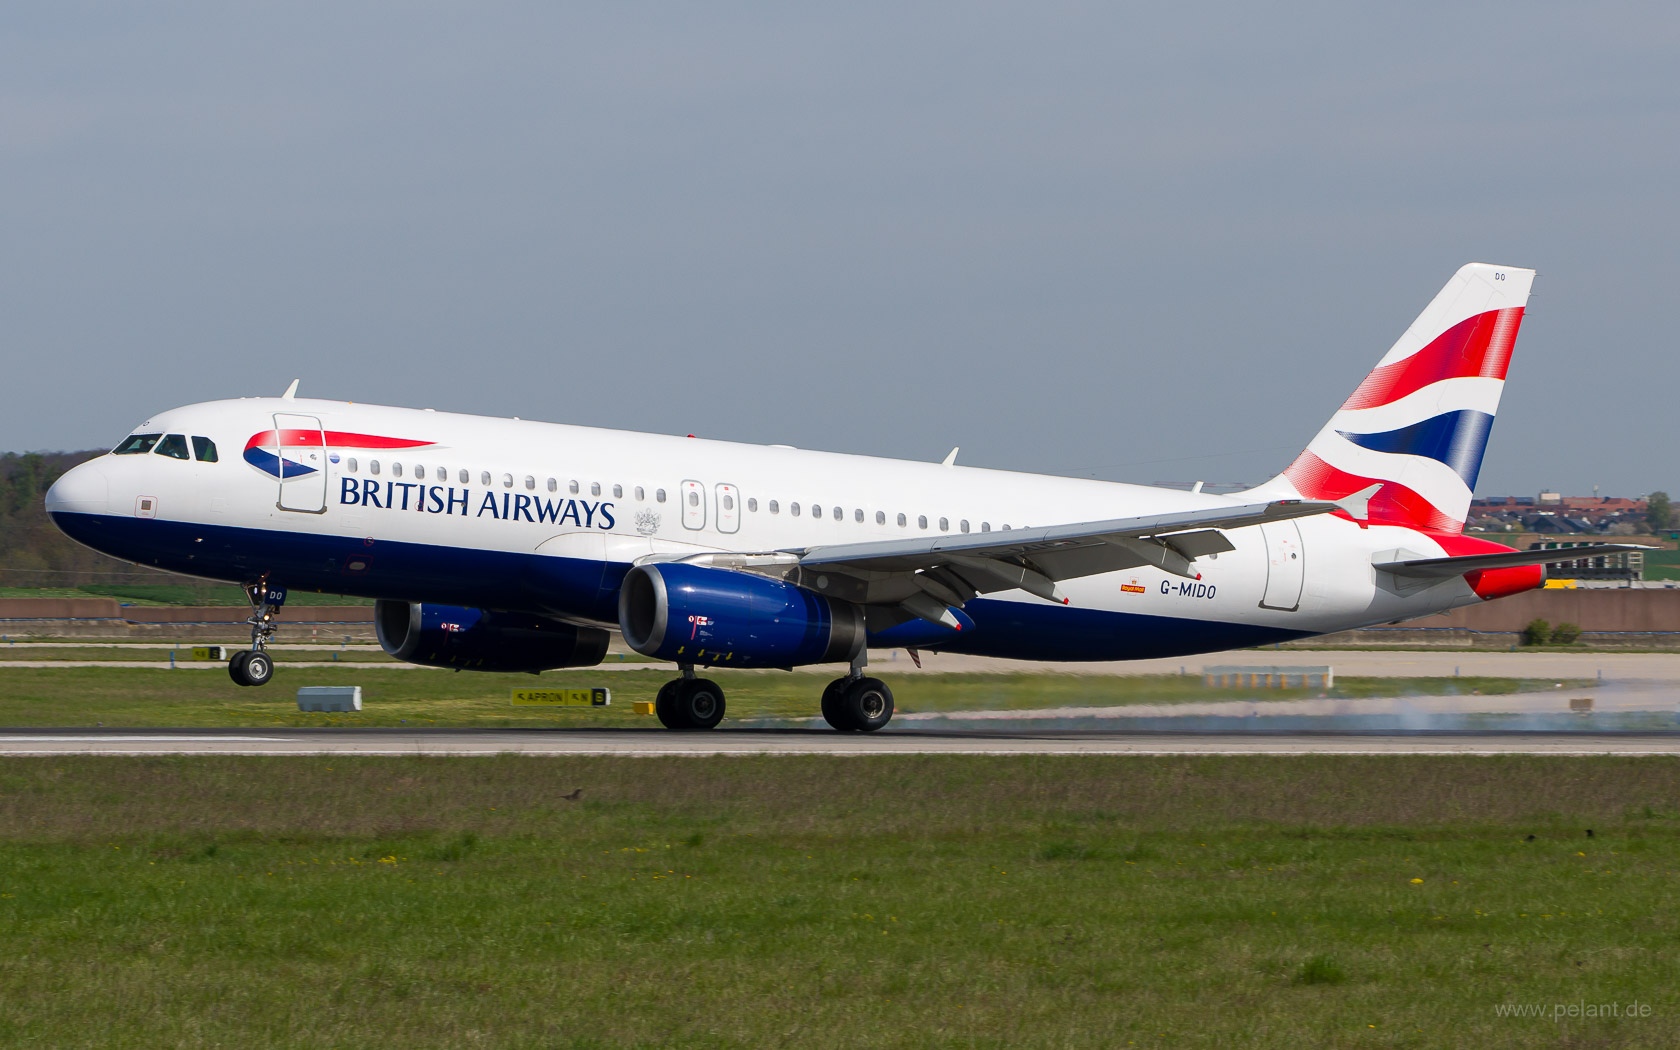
[1566,634]
[1658,514]
[1538,632]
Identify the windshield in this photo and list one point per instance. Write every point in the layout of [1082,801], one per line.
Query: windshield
[174,446]
[135,444]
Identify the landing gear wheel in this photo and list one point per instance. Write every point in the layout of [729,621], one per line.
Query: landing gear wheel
[866,704]
[236,667]
[258,668]
[696,704]
[832,711]
[665,705]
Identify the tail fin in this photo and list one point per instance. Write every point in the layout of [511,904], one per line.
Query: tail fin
[1419,423]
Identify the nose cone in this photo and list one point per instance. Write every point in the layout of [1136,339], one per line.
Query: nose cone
[82,490]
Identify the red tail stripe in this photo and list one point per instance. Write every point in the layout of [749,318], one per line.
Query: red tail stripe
[1478,346]
[1315,479]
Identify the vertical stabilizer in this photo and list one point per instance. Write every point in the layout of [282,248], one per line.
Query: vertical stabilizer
[1418,425]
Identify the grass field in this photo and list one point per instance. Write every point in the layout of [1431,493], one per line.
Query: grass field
[115,696]
[836,902]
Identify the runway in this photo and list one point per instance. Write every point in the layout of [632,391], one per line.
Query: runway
[646,743]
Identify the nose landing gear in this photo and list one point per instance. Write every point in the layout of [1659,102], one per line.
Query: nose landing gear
[253,666]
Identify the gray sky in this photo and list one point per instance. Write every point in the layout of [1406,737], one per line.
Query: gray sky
[1071,238]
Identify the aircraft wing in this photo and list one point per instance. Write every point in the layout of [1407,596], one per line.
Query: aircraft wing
[924,576]
[1445,568]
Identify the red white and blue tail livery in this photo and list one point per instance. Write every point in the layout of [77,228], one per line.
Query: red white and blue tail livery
[504,544]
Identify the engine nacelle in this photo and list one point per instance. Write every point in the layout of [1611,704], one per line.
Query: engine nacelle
[476,640]
[694,614]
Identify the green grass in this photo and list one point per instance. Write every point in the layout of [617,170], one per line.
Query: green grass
[1662,565]
[968,901]
[83,696]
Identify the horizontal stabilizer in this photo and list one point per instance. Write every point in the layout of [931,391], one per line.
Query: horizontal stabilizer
[1444,568]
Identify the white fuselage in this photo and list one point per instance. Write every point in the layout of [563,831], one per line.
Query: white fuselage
[419,505]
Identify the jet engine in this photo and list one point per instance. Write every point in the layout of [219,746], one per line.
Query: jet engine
[477,640]
[722,617]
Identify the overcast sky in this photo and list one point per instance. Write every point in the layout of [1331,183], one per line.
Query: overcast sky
[1070,238]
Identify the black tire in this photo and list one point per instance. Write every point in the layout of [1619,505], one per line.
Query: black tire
[665,705]
[867,703]
[258,669]
[833,712]
[236,667]
[698,703]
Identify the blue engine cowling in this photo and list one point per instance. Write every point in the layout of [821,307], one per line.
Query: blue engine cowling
[476,640]
[694,614]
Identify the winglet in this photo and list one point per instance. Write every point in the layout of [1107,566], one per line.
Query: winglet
[291,391]
[950,459]
[1358,505]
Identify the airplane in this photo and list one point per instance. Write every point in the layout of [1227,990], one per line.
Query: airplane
[512,545]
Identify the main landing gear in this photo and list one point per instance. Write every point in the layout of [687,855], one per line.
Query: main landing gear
[689,702]
[253,666]
[853,703]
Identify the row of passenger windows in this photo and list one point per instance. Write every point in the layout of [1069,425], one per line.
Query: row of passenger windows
[172,445]
[463,476]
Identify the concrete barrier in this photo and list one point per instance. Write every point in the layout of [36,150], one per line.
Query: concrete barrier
[330,698]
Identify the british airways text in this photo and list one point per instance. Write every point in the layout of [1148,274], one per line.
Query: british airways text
[503,506]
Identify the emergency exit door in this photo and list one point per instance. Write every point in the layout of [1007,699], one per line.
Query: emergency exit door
[1286,566]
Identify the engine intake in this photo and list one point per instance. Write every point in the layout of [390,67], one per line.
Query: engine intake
[695,614]
[476,640]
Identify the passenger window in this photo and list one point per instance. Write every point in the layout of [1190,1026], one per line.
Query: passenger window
[373,466]
[420,472]
[553,486]
[396,470]
[442,474]
[857,515]
[530,483]
[595,489]
[641,496]
[816,511]
[350,464]
[618,492]
[985,526]
[204,450]
[659,495]
[136,444]
[902,521]
[793,508]
[944,525]
[464,475]
[507,481]
[694,499]
[880,517]
[728,500]
[775,508]
[838,514]
[752,505]
[572,488]
[174,446]
[1006,528]
[483,478]
[963,525]
[921,521]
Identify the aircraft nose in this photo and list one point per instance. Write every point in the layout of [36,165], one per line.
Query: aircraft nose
[83,489]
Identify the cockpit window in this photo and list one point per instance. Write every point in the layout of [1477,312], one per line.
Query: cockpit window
[136,444]
[204,450]
[174,446]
